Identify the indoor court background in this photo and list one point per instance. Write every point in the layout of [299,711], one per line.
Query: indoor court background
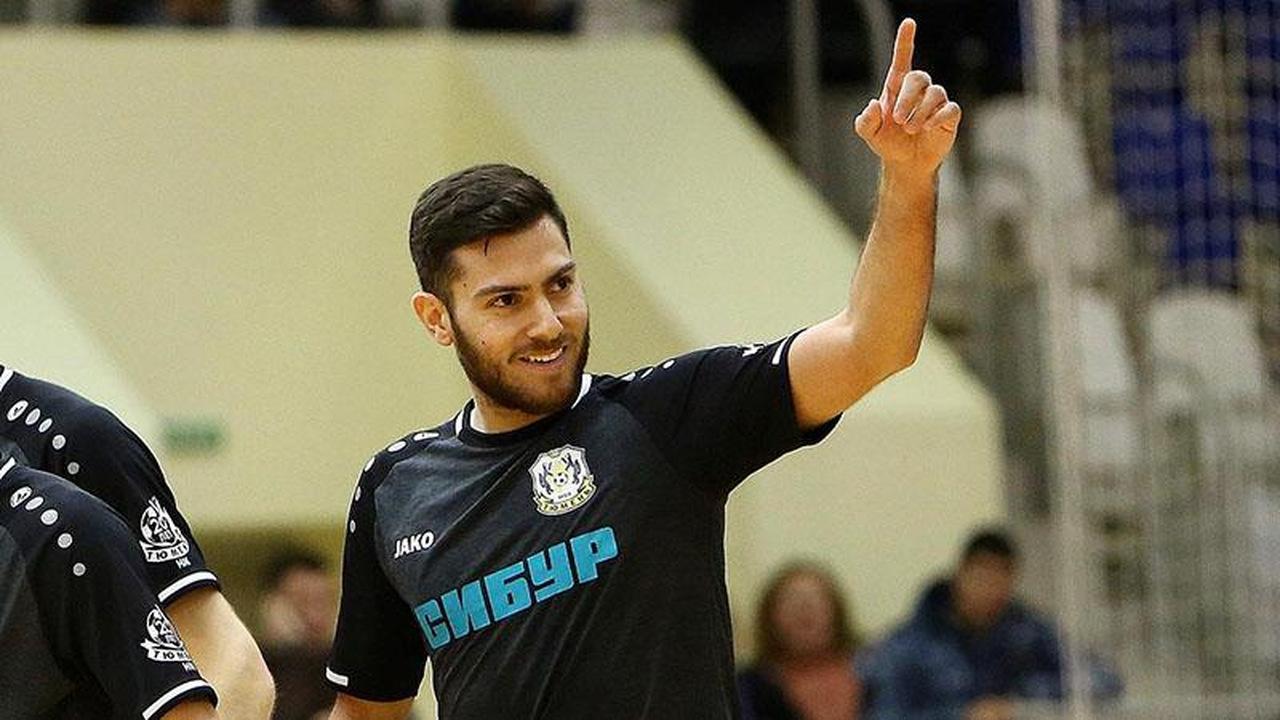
[205,230]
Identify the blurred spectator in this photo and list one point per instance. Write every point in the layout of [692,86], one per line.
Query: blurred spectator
[804,670]
[13,11]
[972,650]
[297,614]
[550,16]
[178,13]
[320,13]
[210,13]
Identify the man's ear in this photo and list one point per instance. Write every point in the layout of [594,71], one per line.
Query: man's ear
[434,316]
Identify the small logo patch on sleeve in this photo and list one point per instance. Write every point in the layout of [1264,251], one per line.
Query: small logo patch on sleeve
[162,643]
[162,541]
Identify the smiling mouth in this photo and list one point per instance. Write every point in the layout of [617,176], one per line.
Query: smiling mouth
[546,358]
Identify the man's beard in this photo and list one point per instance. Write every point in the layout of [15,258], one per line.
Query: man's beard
[489,376]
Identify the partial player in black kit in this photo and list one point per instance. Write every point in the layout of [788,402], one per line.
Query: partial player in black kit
[556,549]
[83,637]
[50,428]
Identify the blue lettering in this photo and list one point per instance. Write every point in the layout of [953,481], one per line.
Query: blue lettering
[465,609]
[508,592]
[591,549]
[430,617]
[549,570]
[459,612]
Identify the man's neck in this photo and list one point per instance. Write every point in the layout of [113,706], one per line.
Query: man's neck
[487,417]
[490,416]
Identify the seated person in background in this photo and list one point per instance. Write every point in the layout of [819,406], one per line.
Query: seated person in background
[804,669]
[82,635]
[972,650]
[155,13]
[297,615]
[319,13]
[50,428]
[545,16]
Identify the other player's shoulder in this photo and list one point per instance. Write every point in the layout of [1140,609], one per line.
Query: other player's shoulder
[50,408]
[38,507]
[31,393]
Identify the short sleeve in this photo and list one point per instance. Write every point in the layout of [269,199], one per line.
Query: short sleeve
[378,650]
[103,618]
[108,460]
[721,414]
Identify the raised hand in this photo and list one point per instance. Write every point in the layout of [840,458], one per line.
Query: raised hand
[912,125]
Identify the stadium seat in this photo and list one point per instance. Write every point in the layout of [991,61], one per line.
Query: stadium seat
[1109,383]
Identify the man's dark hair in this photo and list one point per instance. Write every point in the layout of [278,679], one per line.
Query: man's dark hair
[288,560]
[470,205]
[990,541]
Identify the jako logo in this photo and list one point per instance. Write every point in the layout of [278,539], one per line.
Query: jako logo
[414,543]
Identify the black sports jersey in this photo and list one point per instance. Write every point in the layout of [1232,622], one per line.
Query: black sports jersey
[82,635]
[573,568]
[50,428]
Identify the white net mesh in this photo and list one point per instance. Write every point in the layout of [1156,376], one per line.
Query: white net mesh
[1169,450]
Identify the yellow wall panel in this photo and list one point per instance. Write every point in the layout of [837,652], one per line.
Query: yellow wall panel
[227,215]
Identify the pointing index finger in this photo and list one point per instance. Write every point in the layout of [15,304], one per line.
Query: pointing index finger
[904,47]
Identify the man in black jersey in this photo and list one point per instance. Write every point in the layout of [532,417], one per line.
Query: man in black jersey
[50,428]
[82,636]
[556,549]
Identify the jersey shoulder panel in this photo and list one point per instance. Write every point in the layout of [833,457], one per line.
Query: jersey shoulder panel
[661,378]
[614,386]
[88,419]
[40,508]
[25,394]
[21,486]
[51,423]
[379,466]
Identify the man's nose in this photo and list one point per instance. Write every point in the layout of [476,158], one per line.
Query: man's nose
[546,323]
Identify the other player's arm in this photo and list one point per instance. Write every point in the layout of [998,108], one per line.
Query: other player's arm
[192,711]
[119,469]
[350,708]
[104,617]
[225,652]
[911,127]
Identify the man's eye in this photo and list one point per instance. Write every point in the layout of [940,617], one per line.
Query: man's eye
[503,300]
[564,283]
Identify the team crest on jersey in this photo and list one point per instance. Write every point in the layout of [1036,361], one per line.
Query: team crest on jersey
[161,539]
[162,643]
[561,480]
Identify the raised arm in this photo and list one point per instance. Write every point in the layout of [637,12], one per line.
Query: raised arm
[911,127]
